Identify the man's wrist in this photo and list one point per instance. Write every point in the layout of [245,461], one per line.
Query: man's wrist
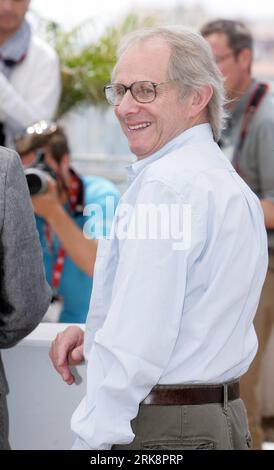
[57,212]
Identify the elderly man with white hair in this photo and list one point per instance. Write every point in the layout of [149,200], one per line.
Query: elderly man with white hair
[168,340]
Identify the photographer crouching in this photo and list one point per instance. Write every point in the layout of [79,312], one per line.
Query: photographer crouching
[59,196]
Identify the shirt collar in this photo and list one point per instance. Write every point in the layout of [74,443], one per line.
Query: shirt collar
[201,132]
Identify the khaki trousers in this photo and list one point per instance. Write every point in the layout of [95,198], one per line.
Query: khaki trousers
[250,382]
[201,427]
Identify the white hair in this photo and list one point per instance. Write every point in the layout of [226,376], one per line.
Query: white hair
[191,64]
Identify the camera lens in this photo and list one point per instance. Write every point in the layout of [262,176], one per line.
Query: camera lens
[36,180]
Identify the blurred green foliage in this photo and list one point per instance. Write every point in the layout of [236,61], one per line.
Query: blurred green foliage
[86,58]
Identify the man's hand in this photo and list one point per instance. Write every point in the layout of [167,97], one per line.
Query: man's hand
[66,350]
[268,209]
[44,204]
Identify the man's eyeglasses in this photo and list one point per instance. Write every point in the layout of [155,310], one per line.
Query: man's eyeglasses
[143,92]
[221,58]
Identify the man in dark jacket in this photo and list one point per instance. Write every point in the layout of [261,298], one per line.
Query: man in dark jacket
[24,292]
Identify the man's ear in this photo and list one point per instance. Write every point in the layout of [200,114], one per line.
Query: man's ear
[200,100]
[244,59]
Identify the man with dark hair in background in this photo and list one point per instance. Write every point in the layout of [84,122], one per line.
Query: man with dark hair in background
[248,141]
[68,237]
[29,73]
[169,339]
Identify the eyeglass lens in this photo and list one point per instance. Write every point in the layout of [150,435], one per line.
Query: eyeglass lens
[143,91]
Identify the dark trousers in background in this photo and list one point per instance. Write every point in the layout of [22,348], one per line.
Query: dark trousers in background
[4,423]
[250,382]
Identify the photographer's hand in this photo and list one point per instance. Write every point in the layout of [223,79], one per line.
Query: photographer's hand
[45,204]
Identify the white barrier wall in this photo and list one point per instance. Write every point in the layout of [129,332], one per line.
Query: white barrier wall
[40,403]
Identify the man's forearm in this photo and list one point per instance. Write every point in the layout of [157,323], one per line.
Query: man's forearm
[81,250]
[268,210]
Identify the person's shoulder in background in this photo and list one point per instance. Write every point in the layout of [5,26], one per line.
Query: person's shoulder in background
[98,188]
[101,198]
[39,46]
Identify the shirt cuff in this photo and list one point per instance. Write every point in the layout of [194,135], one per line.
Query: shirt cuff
[79,444]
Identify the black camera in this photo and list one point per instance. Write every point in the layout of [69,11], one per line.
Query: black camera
[37,175]
[37,181]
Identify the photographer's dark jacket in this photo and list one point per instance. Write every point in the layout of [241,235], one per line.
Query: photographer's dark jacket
[24,292]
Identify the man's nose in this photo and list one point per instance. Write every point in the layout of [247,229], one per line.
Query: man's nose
[127,105]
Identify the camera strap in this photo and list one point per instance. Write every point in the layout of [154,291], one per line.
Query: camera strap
[251,108]
[74,192]
[59,263]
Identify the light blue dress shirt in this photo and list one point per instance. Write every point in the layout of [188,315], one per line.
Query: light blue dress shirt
[160,315]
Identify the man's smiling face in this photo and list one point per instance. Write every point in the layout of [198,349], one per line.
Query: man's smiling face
[149,126]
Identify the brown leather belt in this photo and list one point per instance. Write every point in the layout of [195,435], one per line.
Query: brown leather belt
[163,395]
